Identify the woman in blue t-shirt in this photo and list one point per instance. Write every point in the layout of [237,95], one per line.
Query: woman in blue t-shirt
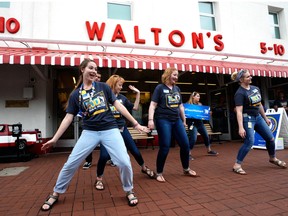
[250,117]
[116,83]
[91,101]
[167,110]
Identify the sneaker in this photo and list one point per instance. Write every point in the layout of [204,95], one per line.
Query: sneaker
[212,153]
[87,165]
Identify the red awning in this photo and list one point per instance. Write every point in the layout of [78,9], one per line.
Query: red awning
[73,58]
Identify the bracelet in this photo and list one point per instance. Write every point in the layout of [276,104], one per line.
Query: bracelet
[150,119]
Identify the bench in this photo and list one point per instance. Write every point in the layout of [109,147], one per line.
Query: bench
[136,135]
[210,132]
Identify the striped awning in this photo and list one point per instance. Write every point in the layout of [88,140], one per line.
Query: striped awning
[112,60]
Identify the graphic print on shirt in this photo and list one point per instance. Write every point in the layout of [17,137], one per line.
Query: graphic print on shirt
[115,112]
[254,98]
[172,99]
[94,103]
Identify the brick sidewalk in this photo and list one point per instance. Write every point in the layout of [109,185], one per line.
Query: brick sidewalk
[218,191]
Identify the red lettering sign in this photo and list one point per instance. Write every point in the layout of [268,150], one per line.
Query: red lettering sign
[197,39]
[12,25]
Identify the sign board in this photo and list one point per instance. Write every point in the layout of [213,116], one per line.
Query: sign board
[279,128]
[197,111]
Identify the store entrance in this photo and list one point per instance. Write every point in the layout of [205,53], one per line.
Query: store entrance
[220,112]
[65,83]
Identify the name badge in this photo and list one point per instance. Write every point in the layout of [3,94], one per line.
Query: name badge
[165,90]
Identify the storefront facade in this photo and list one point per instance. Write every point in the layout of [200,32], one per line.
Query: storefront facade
[41,47]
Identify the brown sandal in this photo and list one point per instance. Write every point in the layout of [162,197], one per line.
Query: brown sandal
[279,163]
[99,185]
[131,198]
[190,172]
[160,178]
[50,204]
[148,172]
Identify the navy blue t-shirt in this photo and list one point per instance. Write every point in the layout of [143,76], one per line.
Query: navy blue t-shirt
[95,110]
[117,115]
[249,99]
[168,102]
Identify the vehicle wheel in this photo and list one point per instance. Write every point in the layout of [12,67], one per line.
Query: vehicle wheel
[22,145]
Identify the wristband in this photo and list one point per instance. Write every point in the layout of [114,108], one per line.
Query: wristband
[150,119]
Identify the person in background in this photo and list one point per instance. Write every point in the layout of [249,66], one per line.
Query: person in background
[91,101]
[167,111]
[250,117]
[116,83]
[197,125]
[89,158]
[281,101]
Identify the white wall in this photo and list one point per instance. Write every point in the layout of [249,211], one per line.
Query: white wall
[243,24]
[13,79]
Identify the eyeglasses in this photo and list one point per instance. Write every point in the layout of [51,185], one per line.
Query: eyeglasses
[248,76]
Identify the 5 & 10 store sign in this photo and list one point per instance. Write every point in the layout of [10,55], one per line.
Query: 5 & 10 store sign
[12,25]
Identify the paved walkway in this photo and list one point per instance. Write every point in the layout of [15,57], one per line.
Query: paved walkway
[218,191]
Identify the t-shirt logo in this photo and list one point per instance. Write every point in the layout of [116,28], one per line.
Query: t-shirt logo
[173,100]
[115,112]
[255,98]
[94,104]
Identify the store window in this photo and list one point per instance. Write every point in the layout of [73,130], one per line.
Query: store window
[5,4]
[119,11]
[207,16]
[274,25]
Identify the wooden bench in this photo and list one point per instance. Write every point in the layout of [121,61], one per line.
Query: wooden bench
[136,135]
[210,132]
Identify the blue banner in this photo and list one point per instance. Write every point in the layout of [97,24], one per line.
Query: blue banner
[274,118]
[197,111]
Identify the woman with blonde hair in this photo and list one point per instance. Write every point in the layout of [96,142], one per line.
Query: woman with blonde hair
[195,126]
[166,110]
[251,116]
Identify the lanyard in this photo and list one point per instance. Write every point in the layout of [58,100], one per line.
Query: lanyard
[80,99]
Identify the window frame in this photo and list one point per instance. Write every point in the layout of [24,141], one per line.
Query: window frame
[119,3]
[210,15]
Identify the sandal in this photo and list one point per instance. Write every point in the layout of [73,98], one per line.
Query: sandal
[49,203]
[160,178]
[279,163]
[239,170]
[190,172]
[148,172]
[130,197]
[99,185]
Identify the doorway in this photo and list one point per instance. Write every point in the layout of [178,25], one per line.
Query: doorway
[220,112]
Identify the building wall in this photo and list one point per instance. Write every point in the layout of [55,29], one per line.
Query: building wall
[243,26]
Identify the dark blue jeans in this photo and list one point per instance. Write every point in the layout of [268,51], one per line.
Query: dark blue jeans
[198,126]
[258,124]
[165,129]
[131,147]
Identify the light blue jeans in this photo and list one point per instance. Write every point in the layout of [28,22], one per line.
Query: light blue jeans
[258,124]
[85,145]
